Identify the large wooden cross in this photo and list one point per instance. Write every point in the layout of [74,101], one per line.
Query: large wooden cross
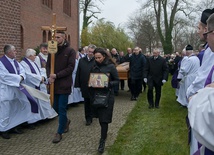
[52,46]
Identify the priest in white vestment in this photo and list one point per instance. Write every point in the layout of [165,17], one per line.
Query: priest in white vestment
[35,79]
[203,100]
[41,58]
[188,70]
[15,108]
[180,76]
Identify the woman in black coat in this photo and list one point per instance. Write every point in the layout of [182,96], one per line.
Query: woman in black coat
[103,64]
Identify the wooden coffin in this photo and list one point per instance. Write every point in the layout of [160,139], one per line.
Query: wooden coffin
[123,71]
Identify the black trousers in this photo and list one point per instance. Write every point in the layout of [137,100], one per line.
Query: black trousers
[104,130]
[150,97]
[122,84]
[88,109]
[136,87]
[129,83]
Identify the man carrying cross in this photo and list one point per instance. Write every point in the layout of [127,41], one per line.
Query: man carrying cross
[62,79]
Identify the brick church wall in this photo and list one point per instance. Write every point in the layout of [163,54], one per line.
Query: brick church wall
[10,24]
[21,22]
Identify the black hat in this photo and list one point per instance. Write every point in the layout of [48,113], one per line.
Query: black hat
[189,47]
[205,15]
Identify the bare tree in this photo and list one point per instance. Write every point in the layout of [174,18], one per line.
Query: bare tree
[142,30]
[90,9]
[167,15]
[205,4]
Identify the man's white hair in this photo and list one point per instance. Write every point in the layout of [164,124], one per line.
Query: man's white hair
[30,52]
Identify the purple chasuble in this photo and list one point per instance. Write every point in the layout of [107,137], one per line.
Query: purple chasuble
[9,67]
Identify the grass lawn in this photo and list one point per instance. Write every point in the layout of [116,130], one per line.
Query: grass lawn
[154,131]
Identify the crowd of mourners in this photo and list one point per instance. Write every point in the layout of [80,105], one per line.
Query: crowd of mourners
[78,77]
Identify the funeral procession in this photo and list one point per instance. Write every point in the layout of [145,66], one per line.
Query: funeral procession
[112,77]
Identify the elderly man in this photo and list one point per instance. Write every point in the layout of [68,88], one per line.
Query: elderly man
[137,64]
[35,79]
[81,81]
[155,75]
[15,108]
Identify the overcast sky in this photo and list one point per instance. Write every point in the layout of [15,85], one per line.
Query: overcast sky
[118,11]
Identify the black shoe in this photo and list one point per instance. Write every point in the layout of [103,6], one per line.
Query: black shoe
[116,94]
[122,88]
[17,130]
[101,146]
[5,135]
[128,90]
[31,126]
[151,106]
[157,106]
[88,122]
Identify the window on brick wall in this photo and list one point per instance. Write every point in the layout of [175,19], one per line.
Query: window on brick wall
[67,7]
[44,36]
[22,37]
[48,3]
[49,35]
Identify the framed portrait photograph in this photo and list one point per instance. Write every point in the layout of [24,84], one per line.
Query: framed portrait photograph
[98,80]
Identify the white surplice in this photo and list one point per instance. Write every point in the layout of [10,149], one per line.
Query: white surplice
[202,73]
[34,80]
[201,116]
[38,62]
[15,108]
[188,70]
[76,95]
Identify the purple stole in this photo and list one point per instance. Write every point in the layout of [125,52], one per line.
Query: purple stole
[206,152]
[42,61]
[9,67]
[209,77]
[32,69]
[208,81]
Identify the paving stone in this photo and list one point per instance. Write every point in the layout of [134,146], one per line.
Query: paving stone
[80,140]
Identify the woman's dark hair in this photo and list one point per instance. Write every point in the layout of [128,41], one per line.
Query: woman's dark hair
[103,52]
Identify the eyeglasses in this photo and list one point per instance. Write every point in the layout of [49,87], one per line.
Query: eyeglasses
[206,33]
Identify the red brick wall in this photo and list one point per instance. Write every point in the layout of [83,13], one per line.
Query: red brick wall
[34,15]
[31,15]
[10,24]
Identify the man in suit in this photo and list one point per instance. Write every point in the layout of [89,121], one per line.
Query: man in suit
[81,81]
[155,75]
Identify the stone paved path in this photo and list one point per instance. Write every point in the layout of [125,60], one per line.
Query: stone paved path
[80,140]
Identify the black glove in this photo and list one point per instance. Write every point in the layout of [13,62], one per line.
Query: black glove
[178,80]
